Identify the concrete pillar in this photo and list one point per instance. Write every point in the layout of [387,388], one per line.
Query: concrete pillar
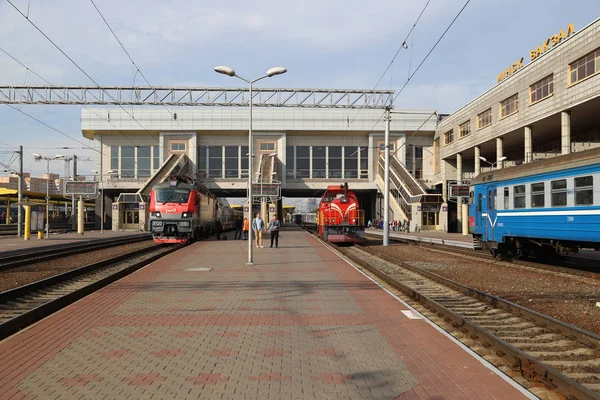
[80,216]
[477,160]
[528,147]
[465,219]
[444,182]
[459,176]
[499,153]
[565,132]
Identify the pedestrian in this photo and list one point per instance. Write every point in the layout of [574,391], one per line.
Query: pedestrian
[407,226]
[3,218]
[245,228]
[258,225]
[274,229]
[218,229]
[238,229]
[369,224]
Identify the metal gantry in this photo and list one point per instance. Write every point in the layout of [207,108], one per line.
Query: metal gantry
[194,96]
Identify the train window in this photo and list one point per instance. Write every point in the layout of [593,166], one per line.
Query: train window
[506,198]
[537,194]
[559,193]
[479,203]
[519,196]
[584,190]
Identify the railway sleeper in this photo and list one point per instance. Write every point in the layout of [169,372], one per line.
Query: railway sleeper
[580,355]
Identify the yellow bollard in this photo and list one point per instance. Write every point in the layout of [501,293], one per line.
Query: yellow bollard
[40,234]
[27,232]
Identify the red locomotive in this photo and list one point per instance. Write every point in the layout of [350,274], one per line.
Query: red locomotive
[339,218]
[180,213]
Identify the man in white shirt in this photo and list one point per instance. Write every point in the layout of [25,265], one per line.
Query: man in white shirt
[258,225]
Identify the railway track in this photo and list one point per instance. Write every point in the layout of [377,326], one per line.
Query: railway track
[541,353]
[27,304]
[11,230]
[16,258]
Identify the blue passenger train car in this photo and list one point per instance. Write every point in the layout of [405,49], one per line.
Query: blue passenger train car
[544,207]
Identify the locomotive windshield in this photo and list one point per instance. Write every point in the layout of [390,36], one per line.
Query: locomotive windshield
[172,195]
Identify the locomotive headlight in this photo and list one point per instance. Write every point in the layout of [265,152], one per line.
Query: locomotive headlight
[156,214]
[186,215]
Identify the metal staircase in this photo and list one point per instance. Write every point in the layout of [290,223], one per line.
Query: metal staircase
[175,164]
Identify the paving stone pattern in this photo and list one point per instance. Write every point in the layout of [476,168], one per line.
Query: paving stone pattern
[300,324]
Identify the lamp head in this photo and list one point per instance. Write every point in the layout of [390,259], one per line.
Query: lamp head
[110,172]
[225,70]
[56,157]
[94,171]
[36,156]
[276,71]
[483,159]
[502,159]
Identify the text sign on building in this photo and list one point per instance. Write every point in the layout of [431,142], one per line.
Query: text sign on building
[535,53]
[459,191]
[266,189]
[80,188]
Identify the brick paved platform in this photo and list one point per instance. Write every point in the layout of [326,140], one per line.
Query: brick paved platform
[300,324]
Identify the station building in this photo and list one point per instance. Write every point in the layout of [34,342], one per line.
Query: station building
[305,149]
[544,104]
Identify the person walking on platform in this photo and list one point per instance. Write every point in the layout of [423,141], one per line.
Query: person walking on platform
[274,229]
[258,225]
[238,229]
[245,228]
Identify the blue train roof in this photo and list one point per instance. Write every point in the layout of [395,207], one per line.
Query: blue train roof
[559,163]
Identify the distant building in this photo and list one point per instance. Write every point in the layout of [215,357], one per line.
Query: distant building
[34,184]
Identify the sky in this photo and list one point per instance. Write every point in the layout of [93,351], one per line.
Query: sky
[326,44]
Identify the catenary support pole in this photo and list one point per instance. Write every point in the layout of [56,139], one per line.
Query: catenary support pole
[80,216]
[20,195]
[250,173]
[73,208]
[386,179]
[465,219]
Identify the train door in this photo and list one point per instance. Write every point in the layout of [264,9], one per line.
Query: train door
[491,213]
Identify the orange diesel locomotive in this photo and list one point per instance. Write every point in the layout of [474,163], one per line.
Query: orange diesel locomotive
[179,213]
[339,219]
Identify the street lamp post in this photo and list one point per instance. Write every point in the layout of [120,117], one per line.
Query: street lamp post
[231,72]
[492,163]
[100,178]
[48,159]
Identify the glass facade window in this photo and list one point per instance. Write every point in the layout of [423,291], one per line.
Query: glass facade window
[509,106]
[215,161]
[202,159]
[289,162]
[364,162]
[144,162]
[244,161]
[541,89]
[114,158]
[335,161]
[232,161]
[484,119]
[519,196]
[559,193]
[350,162]
[267,146]
[537,194]
[584,191]
[127,161]
[587,65]
[506,198]
[449,137]
[303,162]
[177,146]
[464,129]
[155,158]
[318,162]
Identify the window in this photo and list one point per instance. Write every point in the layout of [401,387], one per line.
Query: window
[144,161]
[114,158]
[318,162]
[289,162]
[231,161]
[509,106]
[587,65]
[155,158]
[449,137]
[215,161]
[584,191]
[506,198]
[267,146]
[127,161]
[364,162]
[302,162]
[335,161]
[484,119]
[541,89]
[519,196]
[202,159]
[244,161]
[464,129]
[559,193]
[177,146]
[479,204]
[350,162]
[537,194]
